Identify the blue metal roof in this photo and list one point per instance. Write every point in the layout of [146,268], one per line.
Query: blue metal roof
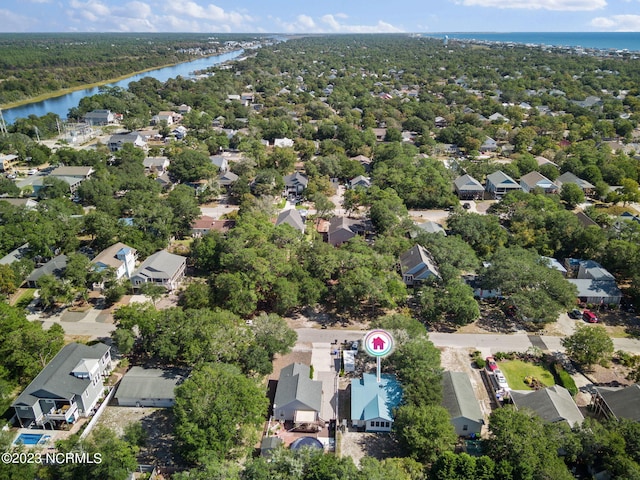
[370,399]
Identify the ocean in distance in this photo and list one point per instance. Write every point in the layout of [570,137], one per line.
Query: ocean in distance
[600,40]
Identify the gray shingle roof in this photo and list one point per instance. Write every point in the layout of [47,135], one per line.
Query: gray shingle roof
[55,380]
[56,266]
[458,396]
[291,217]
[142,382]
[418,262]
[160,265]
[552,404]
[468,183]
[623,402]
[294,384]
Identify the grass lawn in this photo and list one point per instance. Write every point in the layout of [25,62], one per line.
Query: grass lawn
[516,370]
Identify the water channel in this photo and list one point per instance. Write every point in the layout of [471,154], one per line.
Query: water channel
[61,105]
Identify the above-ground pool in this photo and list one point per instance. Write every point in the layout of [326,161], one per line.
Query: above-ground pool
[31,439]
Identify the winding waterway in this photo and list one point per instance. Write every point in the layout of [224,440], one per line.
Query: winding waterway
[61,105]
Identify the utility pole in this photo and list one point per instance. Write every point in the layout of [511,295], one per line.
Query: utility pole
[3,125]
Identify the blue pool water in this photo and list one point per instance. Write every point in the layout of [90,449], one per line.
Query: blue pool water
[28,439]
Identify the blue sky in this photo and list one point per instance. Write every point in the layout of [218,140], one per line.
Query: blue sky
[326,16]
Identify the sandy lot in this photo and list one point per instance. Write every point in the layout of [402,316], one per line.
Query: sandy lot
[157,422]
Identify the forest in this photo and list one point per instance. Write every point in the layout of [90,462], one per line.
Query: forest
[37,64]
[328,94]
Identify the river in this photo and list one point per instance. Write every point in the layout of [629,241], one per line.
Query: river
[61,105]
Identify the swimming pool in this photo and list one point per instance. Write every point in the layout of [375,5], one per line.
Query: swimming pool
[30,438]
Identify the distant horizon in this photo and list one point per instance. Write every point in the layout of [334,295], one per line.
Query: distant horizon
[330,16]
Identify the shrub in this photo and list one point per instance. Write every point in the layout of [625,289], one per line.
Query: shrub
[478,360]
[564,379]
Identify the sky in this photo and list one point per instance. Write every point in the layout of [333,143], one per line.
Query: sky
[326,16]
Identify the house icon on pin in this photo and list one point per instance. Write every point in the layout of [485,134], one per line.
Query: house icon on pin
[378,343]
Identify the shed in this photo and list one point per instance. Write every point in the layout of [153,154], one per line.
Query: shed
[149,387]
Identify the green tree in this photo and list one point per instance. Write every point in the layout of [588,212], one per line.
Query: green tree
[589,345]
[571,194]
[184,206]
[191,165]
[424,432]
[538,291]
[523,447]
[272,333]
[218,412]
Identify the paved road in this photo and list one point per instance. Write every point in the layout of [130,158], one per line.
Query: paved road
[519,342]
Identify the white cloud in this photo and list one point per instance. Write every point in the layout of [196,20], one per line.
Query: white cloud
[39,1]
[90,11]
[12,22]
[331,24]
[557,5]
[211,12]
[618,23]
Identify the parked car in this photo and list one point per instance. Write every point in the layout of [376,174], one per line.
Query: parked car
[589,316]
[575,314]
[492,366]
[500,379]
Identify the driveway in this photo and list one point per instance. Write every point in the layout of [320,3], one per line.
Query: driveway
[325,365]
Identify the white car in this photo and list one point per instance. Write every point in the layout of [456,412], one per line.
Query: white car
[33,171]
[500,378]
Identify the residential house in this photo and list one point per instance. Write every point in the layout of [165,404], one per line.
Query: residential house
[15,255]
[149,387]
[205,224]
[544,161]
[283,143]
[73,176]
[499,184]
[27,203]
[292,218]
[179,132]
[440,122]
[535,180]
[7,162]
[100,117]
[617,403]
[295,184]
[343,229]
[161,268]
[460,401]
[489,145]
[184,109]
[116,142]
[555,264]
[68,388]
[82,173]
[586,221]
[227,179]
[551,404]
[364,161]
[416,266]
[373,402]
[298,398]
[220,162]
[568,177]
[156,165]
[169,117]
[360,181]
[468,188]
[498,117]
[594,283]
[56,267]
[119,257]
[427,227]
[380,134]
